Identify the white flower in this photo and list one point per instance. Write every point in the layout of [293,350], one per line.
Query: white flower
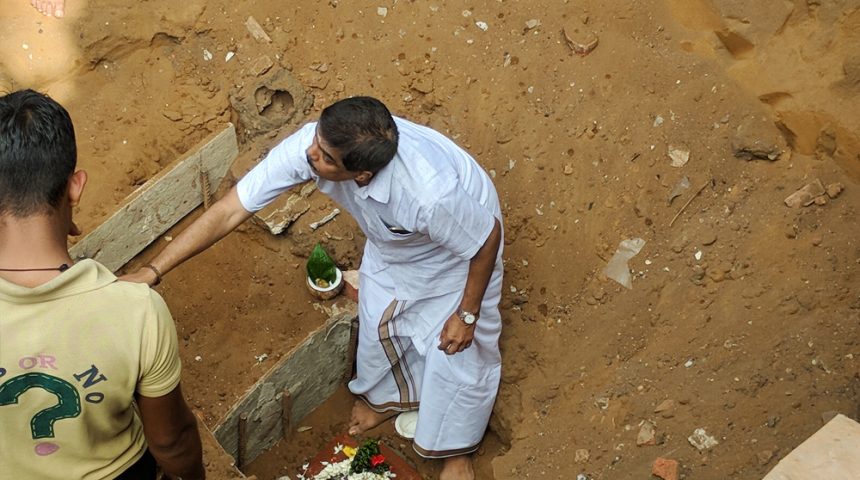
[333,470]
[340,471]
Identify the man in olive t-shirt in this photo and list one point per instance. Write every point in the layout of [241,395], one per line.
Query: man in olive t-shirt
[78,348]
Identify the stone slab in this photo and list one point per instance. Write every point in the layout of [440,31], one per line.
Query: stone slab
[832,453]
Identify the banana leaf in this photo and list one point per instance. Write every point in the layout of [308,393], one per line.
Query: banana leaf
[321,266]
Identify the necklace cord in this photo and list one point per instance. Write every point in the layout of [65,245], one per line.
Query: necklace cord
[61,268]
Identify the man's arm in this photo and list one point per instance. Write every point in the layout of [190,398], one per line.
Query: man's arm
[456,335]
[171,432]
[480,269]
[222,218]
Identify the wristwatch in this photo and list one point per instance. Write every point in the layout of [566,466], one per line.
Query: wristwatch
[468,318]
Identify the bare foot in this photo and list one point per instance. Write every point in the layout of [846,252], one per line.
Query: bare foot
[50,8]
[457,468]
[364,418]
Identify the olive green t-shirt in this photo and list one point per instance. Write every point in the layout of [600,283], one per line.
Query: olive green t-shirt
[73,352]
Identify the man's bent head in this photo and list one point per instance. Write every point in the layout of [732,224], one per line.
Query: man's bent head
[362,130]
[37,153]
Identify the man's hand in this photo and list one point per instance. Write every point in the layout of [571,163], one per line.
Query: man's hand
[456,335]
[171,432]
[142,275]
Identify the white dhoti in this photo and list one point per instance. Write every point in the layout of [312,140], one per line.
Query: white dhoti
[400,368]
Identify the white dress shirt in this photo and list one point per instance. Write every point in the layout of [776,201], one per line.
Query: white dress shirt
[425,215]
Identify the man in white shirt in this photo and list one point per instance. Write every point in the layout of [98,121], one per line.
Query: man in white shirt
[431,274]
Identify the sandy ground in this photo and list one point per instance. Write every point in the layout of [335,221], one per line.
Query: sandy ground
[744,313]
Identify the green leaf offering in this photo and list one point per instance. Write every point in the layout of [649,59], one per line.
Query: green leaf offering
[369,458]
[321,268]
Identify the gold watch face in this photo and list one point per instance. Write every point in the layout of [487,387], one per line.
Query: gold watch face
[468,318]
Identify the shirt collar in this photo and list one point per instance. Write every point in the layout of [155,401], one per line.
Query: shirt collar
[84,276]
[379,187]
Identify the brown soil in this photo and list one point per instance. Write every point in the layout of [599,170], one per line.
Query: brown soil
[287,458]
[753,342]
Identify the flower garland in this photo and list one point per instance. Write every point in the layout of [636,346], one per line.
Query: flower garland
[364,463]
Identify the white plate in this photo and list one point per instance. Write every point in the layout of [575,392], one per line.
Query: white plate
[405,424]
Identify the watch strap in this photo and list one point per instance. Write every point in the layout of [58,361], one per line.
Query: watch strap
[463,313]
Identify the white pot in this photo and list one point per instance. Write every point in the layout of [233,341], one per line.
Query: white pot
[329,292]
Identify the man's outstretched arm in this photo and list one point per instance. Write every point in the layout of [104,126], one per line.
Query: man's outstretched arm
[171,432]
[222,218]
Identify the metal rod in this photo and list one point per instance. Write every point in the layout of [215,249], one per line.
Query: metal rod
[242,434]
[286,413]
[206,189]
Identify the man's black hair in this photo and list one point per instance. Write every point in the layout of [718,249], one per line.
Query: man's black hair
[37,153]
[362,130]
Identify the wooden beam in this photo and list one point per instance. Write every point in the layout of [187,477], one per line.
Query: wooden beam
[161,202]
[311,372]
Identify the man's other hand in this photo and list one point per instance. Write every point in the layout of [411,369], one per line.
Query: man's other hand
[456,335]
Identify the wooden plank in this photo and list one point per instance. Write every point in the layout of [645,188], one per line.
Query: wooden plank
[311,372]
[160,203]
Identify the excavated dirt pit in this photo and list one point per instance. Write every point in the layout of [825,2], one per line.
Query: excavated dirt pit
[743,319]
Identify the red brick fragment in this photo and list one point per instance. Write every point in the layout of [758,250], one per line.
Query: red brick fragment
[665,468]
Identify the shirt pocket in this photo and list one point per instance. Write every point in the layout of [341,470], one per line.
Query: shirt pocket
[395,229]
[381,231]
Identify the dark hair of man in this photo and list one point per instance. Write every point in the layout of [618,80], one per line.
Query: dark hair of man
[362,130]
[37,153]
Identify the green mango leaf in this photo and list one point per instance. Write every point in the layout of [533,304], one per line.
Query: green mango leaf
[321,266]
[369,458]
